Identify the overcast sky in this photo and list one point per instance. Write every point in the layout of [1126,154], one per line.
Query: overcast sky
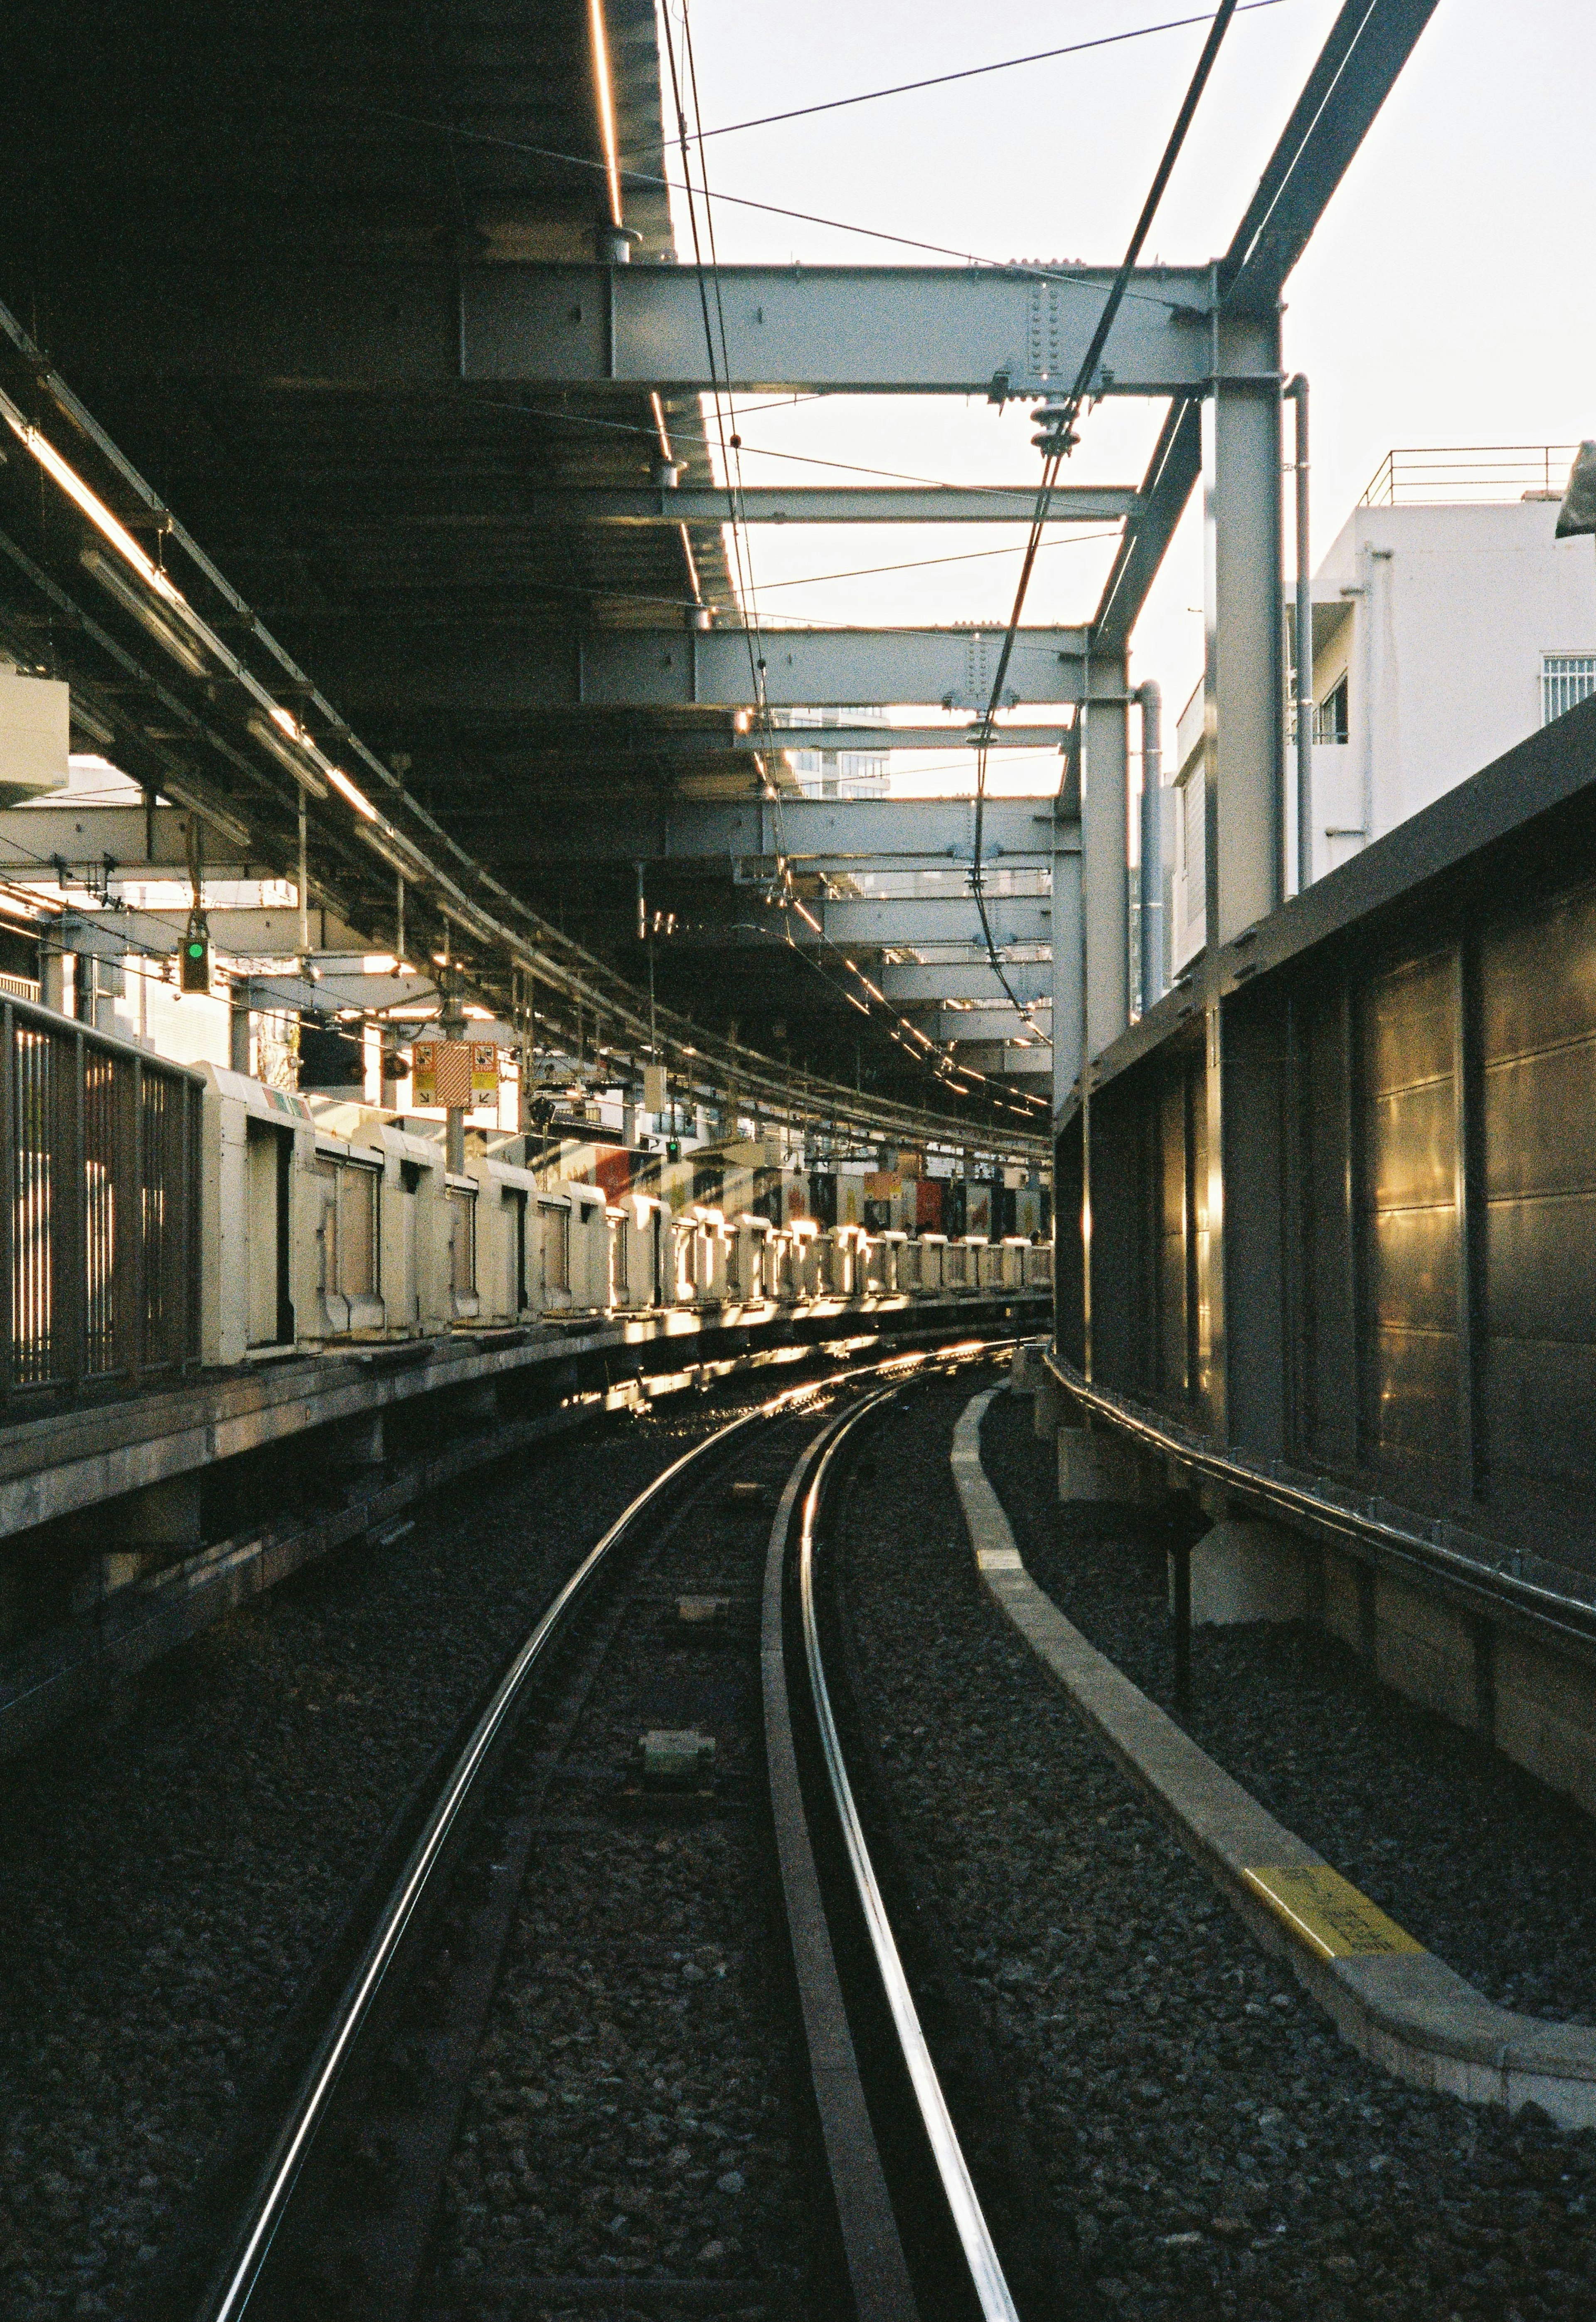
[1446,299]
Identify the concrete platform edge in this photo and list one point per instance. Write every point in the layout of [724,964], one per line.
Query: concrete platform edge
[1411,2013]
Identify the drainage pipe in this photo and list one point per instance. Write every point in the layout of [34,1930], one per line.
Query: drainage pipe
[1150,702]
[1296,393]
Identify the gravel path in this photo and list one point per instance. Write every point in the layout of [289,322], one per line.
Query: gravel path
[638,2109]
[168,1881]
[1212,2146]
[1491,1870]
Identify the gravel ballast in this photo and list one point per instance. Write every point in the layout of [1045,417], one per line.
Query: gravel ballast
[1486,1866]
[167,1879]
[638,2109]
[1210,2146]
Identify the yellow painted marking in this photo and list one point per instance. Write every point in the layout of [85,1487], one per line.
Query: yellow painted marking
[999,1559]
[1338,1921]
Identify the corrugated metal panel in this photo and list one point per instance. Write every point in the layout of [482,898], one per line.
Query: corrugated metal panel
[1409,1216]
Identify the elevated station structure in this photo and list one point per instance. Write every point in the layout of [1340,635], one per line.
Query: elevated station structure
[394,367]
[359,483]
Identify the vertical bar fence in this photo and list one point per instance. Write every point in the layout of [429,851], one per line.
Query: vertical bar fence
[99,1225]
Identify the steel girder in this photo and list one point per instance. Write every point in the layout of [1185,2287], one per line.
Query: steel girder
[837,330]
[832,836]
[508,675]
[667,505]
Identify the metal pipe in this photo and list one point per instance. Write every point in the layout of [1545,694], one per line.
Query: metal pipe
[1296,393]
[1150,700]
[303,887]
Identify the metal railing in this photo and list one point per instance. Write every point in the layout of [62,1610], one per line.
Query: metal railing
[99,1220]
[1417,475]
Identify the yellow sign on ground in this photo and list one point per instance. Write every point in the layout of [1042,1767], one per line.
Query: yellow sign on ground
[1338,1921]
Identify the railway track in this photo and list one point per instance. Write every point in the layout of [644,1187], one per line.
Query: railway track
[481,2121]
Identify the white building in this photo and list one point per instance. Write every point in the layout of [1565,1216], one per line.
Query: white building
[1448,623]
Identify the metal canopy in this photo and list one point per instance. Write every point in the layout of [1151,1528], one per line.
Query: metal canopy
[329,291]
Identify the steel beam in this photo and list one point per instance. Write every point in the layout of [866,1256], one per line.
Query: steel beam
[915,983]
[836,330]
[1067,966]
[868,740]
[1243,683]
[490,676]
[914,919]
[1105,874]
[1000,1024]
[575,504]
[837,835]
[1368,44]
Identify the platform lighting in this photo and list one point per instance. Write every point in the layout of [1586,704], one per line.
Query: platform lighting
[346,788]
[115,583]
[120,538]
[270,740]
[607,108]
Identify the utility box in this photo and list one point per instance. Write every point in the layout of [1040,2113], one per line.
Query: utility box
[506,1232]
[259,1203]
[346,1206]
[933,1261]
[417,1270]
[459,1194]
[640,1252]
[35,735]
[749,1272]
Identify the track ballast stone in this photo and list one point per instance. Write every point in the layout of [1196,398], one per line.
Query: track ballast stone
[168,1880]
[1219,2149]
[1487,1866]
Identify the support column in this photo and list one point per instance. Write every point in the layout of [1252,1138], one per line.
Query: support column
[1068,962]
[1244,746]
[1105,878]
[1242,681]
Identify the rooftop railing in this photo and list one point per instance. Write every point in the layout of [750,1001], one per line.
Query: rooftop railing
[1417,476]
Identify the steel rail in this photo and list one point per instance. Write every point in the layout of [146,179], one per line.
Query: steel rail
[985,2271]
[1571,1619]
[235,2280]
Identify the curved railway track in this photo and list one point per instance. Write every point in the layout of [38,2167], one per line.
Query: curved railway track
[349,2206]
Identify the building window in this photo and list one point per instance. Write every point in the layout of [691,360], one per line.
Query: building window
[1329,717]
[1566,680]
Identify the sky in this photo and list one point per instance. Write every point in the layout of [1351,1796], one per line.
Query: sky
[1444,298]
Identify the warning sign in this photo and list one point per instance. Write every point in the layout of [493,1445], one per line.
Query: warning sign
[1337,1920]
[450,1072]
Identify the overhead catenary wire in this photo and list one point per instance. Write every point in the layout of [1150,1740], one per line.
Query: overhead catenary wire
[1028,268]
[1061,418]
[976,72]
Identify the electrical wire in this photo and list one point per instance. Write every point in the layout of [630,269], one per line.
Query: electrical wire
[1060,441]
[924,564]
[1030,269]
[976,72]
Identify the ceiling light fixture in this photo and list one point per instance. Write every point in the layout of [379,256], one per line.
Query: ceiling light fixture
[270,739]
[607,108]
[116,583]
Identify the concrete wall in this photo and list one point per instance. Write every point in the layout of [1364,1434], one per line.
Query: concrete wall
[1443,650]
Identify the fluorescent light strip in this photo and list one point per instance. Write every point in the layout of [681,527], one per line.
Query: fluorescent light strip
[89,502]
[606,109]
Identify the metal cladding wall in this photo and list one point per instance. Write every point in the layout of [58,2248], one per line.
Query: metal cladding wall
[1392,1279]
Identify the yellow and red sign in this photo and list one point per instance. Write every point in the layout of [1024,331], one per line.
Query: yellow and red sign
[454,1073]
